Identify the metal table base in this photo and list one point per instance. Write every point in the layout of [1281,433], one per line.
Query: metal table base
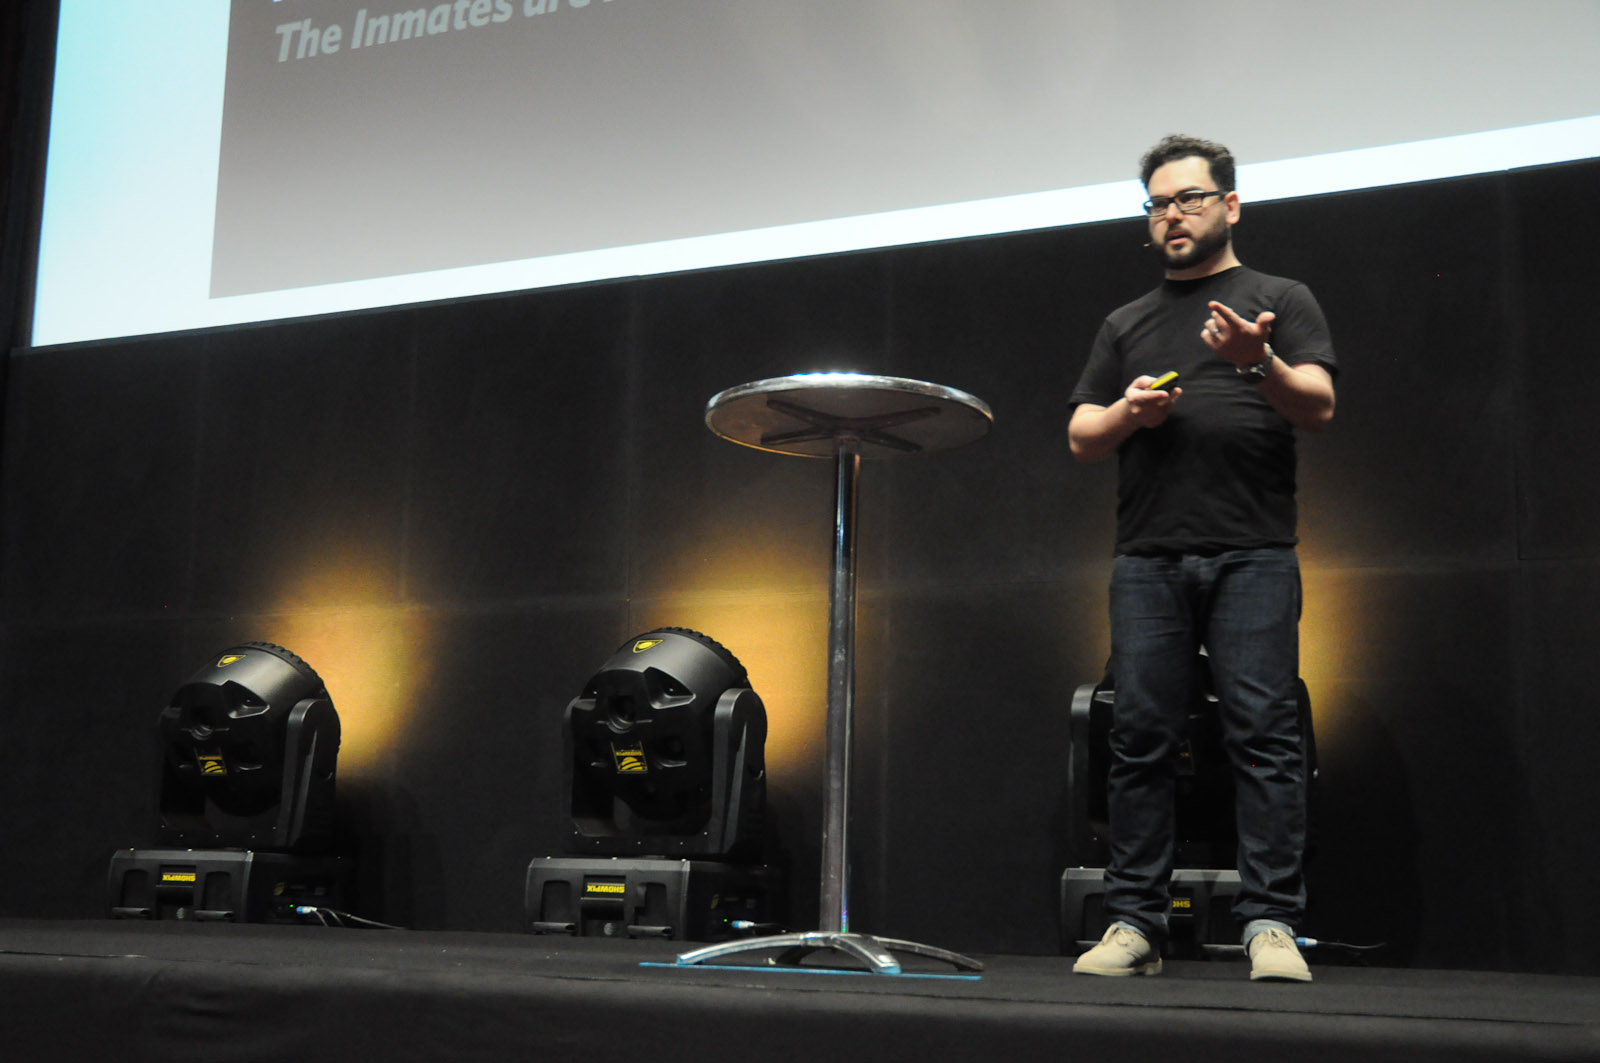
[875,953]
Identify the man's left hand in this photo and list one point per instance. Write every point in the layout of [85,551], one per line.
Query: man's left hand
[1235,339]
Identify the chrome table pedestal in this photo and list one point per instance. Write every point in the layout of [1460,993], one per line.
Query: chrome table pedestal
[847,417]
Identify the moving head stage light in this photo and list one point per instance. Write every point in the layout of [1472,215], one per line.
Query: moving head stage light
[666,752]
[250,745]
[665,766]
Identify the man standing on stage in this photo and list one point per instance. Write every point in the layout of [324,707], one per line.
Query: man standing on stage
[1205,552]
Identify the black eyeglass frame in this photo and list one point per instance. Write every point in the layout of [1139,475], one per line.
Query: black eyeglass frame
[1156,206]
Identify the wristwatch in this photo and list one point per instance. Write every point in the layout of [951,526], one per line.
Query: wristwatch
[1258,372]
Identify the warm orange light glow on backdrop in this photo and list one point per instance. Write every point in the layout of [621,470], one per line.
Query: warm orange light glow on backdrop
[337,613]
[770,609]
[782,640]
[373,662]
[1339,629]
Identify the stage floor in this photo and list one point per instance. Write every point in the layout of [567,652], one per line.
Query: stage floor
[174,991]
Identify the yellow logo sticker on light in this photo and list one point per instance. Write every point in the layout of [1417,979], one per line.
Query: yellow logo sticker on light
[211,764]
[630,760]
[646,644]
[229,658]
[177,876]
[611,889]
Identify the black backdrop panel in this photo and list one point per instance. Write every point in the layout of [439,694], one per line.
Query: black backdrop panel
[1418,461]
[302,457]
[972,750]
[1561,822]
[472,790]
[1553,234]
[1421,765]
[82,761]
[100,453]
[520,428]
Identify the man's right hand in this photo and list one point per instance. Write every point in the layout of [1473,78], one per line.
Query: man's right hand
[1149,408]
[1095,432]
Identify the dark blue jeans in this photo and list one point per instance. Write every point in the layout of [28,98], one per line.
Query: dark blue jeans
[1243,606]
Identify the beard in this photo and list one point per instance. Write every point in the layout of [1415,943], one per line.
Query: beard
[1202,246]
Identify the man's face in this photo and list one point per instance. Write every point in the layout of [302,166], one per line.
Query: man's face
[1185,240]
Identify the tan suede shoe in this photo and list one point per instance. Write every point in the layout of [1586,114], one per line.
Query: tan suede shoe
[1121,952]
[1273,956]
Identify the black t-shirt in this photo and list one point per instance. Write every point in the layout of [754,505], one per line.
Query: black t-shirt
[1219,473]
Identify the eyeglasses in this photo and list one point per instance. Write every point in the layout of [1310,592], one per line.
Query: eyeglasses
[1190,200]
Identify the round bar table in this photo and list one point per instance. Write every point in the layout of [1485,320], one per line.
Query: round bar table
[846,417]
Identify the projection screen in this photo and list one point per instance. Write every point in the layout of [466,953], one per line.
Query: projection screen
[214,163]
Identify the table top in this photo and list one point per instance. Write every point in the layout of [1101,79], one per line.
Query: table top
[810,414]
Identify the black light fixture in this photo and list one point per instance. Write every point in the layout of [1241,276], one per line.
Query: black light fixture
[666,752]
[251,743]
[665,775]
[250,747]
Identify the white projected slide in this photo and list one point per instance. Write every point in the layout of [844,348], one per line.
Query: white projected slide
[214,164]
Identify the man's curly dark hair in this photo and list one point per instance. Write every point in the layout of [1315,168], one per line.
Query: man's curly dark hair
[1177,146]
